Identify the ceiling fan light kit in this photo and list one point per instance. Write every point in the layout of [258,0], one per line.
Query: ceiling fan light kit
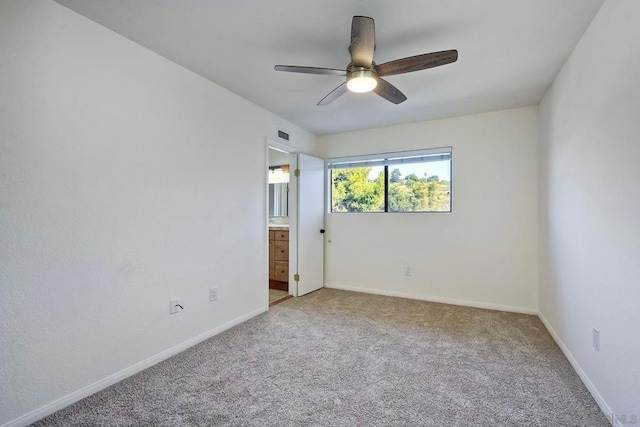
[364,75]
[361,80]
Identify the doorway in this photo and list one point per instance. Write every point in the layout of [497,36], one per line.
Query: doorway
[280,242]
[295,221]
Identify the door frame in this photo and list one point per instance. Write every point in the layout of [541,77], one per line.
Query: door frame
[293,210]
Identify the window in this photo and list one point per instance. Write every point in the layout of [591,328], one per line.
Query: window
[408,181]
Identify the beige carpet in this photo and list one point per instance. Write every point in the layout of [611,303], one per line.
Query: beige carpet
[335,358]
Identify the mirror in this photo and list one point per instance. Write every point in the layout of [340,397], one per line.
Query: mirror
[279,200]
[278,183]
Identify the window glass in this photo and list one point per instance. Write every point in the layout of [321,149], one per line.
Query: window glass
[416,181]
[420,187]
[357,189]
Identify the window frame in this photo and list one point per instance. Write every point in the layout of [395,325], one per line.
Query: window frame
[390,159]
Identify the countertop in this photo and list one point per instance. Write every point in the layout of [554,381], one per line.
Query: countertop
[279,227]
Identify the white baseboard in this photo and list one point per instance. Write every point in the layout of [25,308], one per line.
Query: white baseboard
[604,407]
[475,304]
[77,395]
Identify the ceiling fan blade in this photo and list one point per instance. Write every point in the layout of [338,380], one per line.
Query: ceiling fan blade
[334,94]
[418,62]
[389,92]
[363,41]
[310,70]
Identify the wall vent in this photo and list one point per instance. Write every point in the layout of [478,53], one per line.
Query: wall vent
[283,135]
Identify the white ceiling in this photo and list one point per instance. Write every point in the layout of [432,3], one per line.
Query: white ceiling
[509,51]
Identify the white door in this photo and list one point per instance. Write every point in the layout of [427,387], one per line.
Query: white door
[310,224]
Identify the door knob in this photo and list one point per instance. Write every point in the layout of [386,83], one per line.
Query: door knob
[322,230]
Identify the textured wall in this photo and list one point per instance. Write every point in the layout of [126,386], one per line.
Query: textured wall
[485,252]
[590,209]
[125,180]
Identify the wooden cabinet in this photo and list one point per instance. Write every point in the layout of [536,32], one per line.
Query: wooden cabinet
[281,273]
[279,259]
[271,254]
[281,250]
[282,235]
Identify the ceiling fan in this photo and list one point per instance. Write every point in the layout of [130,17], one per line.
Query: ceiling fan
[364,75]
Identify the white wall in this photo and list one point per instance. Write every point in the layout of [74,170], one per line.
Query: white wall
[125,180]
[590,209]
[484,253]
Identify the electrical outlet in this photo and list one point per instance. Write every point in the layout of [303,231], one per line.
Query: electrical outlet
[173,306]
[408,271]
[213,294]
[596,339]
